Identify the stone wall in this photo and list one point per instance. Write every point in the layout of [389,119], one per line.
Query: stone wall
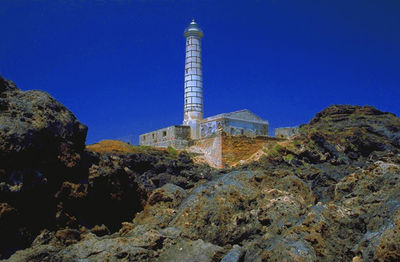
[175,136]
[209,150]
[224,150]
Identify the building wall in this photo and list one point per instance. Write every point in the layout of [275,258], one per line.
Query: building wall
[286,131]
[175,136]
[211,128]
[245,115]
[251,129]
[233,127]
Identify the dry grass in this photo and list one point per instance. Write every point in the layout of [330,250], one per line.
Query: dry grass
[240,149]
[115,146]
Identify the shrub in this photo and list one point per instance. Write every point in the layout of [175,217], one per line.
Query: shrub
[288,157]
[172,151]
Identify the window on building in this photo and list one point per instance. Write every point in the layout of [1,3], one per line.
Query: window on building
[144,138]
[232,130]
[164,133]
[242,132]
[153,135]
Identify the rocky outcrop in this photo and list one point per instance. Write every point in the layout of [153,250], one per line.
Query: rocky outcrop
[49,181]
[253,216]
[344,133]
[330,193]
[40,141]
[37,130]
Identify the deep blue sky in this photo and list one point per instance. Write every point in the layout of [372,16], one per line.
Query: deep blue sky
[119,65]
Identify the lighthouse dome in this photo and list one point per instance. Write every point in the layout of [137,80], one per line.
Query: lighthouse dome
[193,30]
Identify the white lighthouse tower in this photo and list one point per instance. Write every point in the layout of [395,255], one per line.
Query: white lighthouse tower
[239,123]
[193,109]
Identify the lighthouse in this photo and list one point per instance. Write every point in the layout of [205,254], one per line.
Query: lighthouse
[203,134]
[193,103]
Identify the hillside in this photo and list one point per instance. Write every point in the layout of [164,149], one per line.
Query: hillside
[331,193]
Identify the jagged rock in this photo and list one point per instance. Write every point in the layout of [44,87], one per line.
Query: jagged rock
[43,238]
[188,251]
[162,206]
[68,236]
[48,176]
[286,248]
[167,193]
[100,230]
[40,140]
[142,247]
[7,85]
[234,255]
[35,128]
[341,112]
[236,205]
[388,245]
[344,131]
[126,227]
[329,194]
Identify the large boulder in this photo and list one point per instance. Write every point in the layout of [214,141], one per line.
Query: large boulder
[41,143]
[36,130]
